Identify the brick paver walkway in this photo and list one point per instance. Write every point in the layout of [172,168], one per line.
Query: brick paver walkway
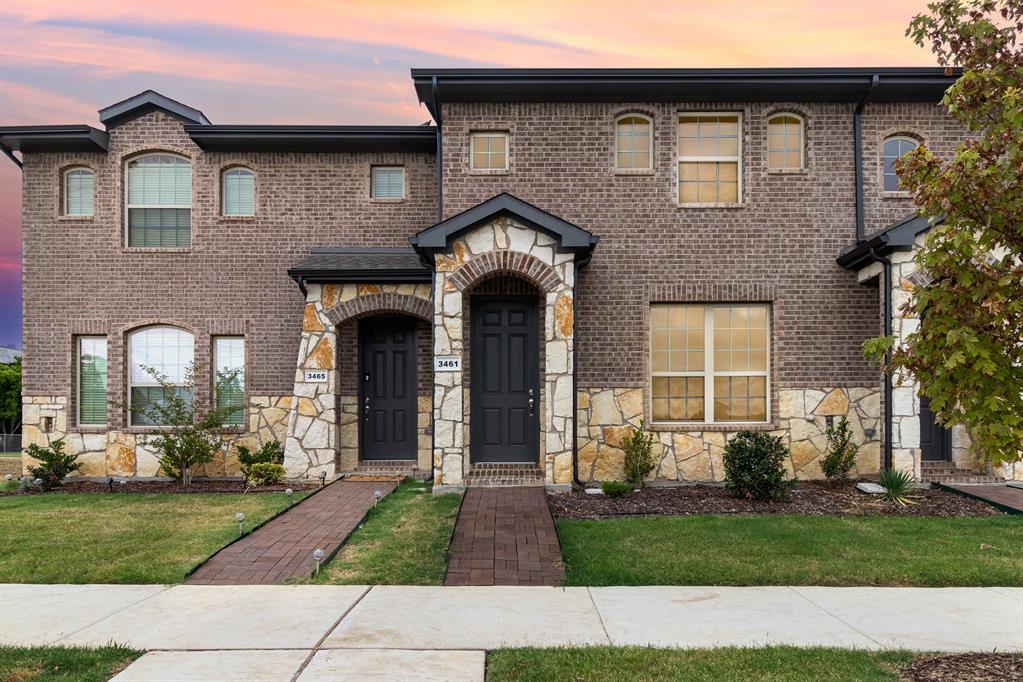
[505,536]
[283,548]
[1005,495]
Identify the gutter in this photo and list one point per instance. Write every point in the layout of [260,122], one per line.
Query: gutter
[887,380]
[858,156]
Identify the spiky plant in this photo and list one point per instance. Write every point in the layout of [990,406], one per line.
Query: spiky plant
[897,484]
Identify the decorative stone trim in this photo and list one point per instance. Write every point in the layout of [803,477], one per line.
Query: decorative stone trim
[606,416]
[496,262]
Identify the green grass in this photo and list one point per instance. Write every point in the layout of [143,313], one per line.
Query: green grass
[10,454]
[54,664]
[120,537]
[640,664]
[793,550]
[403,541]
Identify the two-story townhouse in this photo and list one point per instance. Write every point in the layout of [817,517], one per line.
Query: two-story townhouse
[566,254]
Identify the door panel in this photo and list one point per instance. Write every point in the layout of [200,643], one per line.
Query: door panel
[935,439]
[503,381]
[388,388]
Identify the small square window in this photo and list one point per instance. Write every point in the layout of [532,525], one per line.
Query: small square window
[387,182]
[489,151]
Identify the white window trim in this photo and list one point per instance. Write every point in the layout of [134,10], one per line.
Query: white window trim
[708,372]
[802,141]
[404,181]
[650,142]
[223,192]
[127,206]
[64,187]
[738,158]
[885,140]
[490,133]
[78,381]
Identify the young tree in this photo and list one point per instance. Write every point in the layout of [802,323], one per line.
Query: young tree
[189,436]
[968,352]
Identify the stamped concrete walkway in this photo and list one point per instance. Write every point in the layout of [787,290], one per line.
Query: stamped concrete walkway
[339,632]
[283,548]
[504,536]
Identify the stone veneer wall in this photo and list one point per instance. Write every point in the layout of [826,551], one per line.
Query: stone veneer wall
[319,415]
[504,245]
[103,453]
[606,415]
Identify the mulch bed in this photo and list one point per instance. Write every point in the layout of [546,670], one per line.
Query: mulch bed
[809,497]
[965,668]
[136,487]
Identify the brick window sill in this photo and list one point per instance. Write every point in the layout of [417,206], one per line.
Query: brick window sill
[680,427]
[156,249]
[896,195]
[788,171]
[76,218]
[382,200]
[489,171]
[711,206]
[236,218]
[91,428]
[642,172]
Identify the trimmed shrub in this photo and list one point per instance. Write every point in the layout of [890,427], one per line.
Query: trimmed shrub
[271,452]
[639,458]
[841,457]
[755,466]
[266,473]
[54,463]
[615,488]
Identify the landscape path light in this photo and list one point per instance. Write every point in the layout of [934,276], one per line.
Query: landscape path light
[240,518]
[323,478]
[318,555]
[376,497]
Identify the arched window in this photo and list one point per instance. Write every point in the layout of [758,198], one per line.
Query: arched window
[239,189]
[158,354]
[785,142]
[158,200]
[633,142]
[894,147]
[78,191]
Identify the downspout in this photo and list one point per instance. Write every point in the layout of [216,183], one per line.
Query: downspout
[575,376]
[886,265]
[439,162]
[440,153]
[858,157]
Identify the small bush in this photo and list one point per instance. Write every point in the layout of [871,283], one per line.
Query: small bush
[615,488]
[897,484]
[639,458]
[841,457]
[270,452]
[755,466]
[54,463]
[266,473]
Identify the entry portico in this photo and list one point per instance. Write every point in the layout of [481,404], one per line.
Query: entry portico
[494,366]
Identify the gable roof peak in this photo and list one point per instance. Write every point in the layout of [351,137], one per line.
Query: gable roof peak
[145,102]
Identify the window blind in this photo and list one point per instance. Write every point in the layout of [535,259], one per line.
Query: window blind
[388,182]
[78,192]
[92,380]
[239,191]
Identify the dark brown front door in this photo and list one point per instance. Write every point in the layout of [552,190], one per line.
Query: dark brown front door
[503,388]
[935,439]
[387,399]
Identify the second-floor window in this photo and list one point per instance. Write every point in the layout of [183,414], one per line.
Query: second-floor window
[633,142]
[709,158]
[894,147]
[79,186]
[489,151]
[785,142]
[387,182]
[239,190]
[158,201]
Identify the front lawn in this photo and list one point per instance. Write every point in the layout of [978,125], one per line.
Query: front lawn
[639,664]
[120,537]
[403,541]
[793,550]
[54,664]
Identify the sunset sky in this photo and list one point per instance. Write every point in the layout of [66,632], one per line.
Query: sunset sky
[347,62]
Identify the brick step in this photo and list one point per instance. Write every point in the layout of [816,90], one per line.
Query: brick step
[504,475]
[387,467]
[946,473]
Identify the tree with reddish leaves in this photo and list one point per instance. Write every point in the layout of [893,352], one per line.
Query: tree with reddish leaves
[968,351]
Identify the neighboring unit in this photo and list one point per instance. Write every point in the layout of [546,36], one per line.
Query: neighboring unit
[565,254]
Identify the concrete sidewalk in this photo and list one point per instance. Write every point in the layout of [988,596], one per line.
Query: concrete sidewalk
[276,632]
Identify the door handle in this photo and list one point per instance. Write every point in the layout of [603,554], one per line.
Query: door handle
[531,403]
